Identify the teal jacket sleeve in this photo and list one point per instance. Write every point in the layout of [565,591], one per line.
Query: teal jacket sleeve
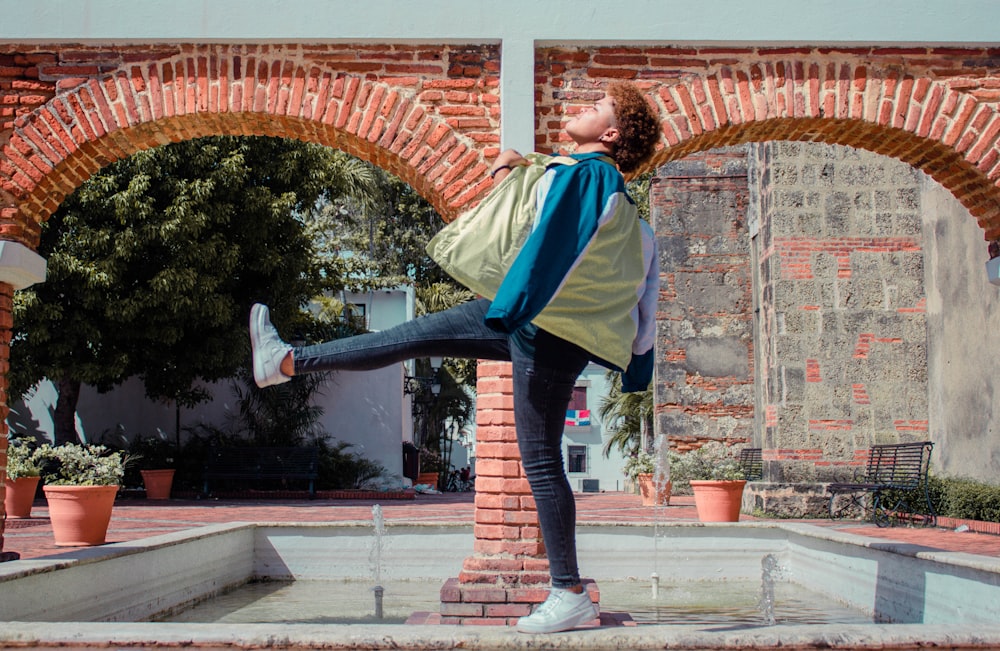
[566,223]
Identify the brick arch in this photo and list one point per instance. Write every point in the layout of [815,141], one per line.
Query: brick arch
[108,117]
[935,109]
[944,132]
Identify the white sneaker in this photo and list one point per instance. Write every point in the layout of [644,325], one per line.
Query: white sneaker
[562,611]
[267,348]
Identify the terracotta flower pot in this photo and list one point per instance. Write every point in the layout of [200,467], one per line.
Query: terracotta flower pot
[718,501]
[19,496]
[158,483]
[647,490]
[80,515]
[428,478]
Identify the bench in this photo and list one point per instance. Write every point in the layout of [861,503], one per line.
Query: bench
[752,464]
[262,463]
[895,479]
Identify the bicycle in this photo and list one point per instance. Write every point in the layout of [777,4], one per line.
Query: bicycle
[457,483]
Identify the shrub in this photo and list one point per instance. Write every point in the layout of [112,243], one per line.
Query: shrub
[639,463]
[965,499]
[19,459]
[340,469]
[80,465]
[713,460]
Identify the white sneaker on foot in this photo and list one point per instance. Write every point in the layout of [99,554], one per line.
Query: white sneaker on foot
[267,348]
[562,611]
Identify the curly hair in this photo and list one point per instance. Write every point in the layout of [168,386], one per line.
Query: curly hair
[638,126]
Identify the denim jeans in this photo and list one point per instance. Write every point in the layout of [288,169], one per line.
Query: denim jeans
[543,387]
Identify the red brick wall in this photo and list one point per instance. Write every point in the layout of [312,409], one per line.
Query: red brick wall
[705,348]
[430,113]
[932,107]
[427,113]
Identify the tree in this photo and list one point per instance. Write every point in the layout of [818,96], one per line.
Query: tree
[154,262]
[379,242]
[627,416]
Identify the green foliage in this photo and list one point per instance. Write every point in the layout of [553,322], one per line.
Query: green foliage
[379,242]
[80,465]
[966,499]
[640,463]
[341,469]
[625,416]
[713,461]
[638,189]
[430,460]
[19,458]
[282,415]
[155,260]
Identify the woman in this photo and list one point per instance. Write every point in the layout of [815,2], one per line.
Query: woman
[582,288]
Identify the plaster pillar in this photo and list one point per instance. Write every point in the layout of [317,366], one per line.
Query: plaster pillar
[20,267]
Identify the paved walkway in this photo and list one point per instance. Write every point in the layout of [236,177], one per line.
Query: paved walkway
[133,519]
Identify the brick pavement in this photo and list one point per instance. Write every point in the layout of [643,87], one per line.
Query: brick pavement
[133,519]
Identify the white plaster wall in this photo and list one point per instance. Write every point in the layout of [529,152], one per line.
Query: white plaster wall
[608,471]
[778,21]
[963,332]
[361,408]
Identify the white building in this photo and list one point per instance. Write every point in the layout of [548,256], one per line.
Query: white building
[367,409]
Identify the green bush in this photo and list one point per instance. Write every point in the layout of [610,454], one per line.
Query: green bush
[965,499]
[339,468]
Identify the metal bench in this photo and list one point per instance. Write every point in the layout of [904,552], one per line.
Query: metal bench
[258,464]
[752,464]
[895,482]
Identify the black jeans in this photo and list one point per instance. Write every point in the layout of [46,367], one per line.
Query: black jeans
[543,387]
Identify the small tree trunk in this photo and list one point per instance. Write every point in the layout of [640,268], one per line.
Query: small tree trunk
[645,433]
[64,416]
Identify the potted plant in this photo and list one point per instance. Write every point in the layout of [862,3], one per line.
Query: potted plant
[80,484]
[714,474]
[23,475]
[654,484]
[431,467]
[154,456]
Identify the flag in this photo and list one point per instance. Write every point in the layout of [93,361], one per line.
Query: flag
[577,417]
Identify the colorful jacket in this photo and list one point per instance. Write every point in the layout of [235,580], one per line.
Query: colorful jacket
[587,268]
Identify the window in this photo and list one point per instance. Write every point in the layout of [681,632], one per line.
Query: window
[577,458]
[577,414]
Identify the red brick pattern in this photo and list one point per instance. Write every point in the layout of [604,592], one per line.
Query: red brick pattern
[796,254]
[508,571]
[428,114]
[695,402]
[932,107]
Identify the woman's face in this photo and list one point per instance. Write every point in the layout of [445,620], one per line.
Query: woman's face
[595,123]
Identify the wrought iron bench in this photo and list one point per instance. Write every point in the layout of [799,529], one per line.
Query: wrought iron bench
[895,481]
[752,464]
[262,463]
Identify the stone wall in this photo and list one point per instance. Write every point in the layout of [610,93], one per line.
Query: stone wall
[824,352]
[704,387]
[843,353]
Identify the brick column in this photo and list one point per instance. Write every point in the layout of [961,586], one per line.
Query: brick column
[508,572]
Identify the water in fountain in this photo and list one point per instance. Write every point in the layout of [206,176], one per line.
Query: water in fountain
[661,475]
[768,569]
[375,558]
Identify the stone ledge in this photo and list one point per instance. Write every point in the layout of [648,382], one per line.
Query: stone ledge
[787,500]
